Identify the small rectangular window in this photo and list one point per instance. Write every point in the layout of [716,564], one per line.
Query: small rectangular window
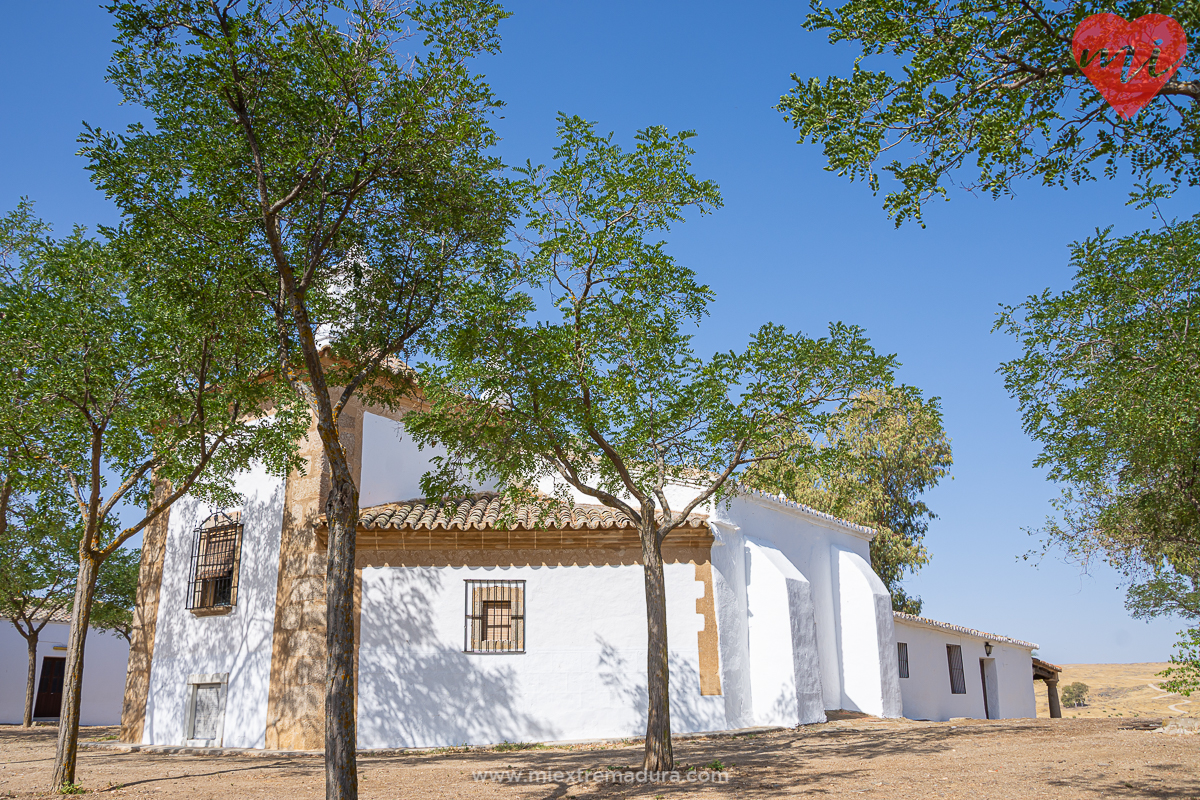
[216,553]
[495,617]
[958,680]
[902,652]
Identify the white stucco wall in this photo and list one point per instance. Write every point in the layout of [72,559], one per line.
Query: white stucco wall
[1015,671]
[678,495]
[730,573]
[830,555]
[392,464]
[583,674]
[785,675]
[926,692]
[238,643]
[804,625]
[105,659]
[870,679]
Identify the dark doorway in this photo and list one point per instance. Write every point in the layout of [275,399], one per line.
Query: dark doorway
[50,687]
[983,679]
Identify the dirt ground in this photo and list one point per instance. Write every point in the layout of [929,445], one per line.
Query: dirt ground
[1119,690]
[1069,758]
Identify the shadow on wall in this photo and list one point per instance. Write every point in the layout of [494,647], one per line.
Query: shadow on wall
[415,691]
[688,712]
[787,708]
[239,643]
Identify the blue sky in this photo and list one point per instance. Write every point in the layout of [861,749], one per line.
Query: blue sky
[794,244]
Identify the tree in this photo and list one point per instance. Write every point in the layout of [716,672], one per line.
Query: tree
[39,561]
[339,182]
[597,386]
[1183,676]
[886,451]
[112,373]
[1108,384]
[1075,694]
[995,86]
[116,593]
[987,85]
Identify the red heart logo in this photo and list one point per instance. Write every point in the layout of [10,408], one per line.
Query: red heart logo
[1128,62]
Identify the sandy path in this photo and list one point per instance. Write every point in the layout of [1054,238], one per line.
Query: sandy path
[1176,707]
[1069,758]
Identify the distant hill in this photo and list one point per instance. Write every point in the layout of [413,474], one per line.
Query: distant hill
[1119,690]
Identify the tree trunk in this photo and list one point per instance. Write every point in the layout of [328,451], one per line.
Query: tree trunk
[341,512]
[31,674]
[68,718]
[659,754]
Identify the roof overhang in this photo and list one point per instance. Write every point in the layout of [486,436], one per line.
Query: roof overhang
[485,521]
[807,512]
[909,619]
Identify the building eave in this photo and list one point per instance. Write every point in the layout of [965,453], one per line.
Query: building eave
[807,512]
[961,631]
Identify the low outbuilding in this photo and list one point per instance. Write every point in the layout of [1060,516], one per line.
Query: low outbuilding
[105,659]
[949,671]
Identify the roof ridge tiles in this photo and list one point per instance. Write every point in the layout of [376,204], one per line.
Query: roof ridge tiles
[933,623]
[784,500]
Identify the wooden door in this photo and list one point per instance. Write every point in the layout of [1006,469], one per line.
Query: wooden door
[50,687]
[987,706]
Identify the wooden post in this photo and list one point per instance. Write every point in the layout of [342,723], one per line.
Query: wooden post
[1052,694]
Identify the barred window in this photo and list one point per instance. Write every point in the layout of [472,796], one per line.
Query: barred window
[902,652]
[958,680]
[495,617]
[216,553]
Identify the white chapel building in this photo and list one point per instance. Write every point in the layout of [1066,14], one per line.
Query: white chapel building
[472,632]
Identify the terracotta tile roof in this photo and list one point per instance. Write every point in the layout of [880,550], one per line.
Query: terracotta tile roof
[61,615]
[1037,662]
[946,626]
[486,511]
[58,615]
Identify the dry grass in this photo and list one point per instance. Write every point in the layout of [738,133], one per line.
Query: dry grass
[1119,690]
[1070,758]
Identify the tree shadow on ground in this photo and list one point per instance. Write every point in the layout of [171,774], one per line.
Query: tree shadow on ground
[1169,781]
[240,769]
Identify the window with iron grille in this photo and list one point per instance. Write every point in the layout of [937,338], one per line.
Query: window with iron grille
[495,618]
[902,652]
[958,680]
[216,553]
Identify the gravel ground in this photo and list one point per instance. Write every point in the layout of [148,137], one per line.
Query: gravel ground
[1079,758]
